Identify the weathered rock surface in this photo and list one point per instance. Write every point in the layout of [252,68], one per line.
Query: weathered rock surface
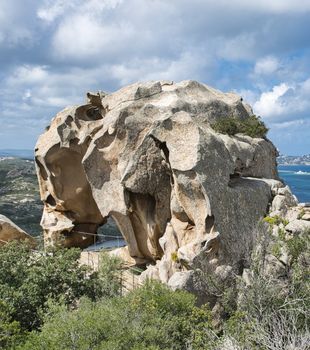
[297,226]
[9,232]
[181,194]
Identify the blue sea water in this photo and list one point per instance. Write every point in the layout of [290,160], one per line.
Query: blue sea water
[298,179]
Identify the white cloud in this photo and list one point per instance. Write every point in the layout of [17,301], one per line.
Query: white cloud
[270,105]
[82,37]
[187,66]
[52,51]
[266,65]
[289,124]
[53,9]
[285,103]
[27,75]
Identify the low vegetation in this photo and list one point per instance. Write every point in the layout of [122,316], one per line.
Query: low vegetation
[252,126]
[48,301]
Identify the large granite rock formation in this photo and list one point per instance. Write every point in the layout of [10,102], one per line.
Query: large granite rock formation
[10,232]
[181,194]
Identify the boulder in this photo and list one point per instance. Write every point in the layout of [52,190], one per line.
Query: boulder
[298,226]
[283,201]
[181,194]
[10,232]
[306,217]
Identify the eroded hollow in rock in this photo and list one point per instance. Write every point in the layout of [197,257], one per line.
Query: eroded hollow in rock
[71,213]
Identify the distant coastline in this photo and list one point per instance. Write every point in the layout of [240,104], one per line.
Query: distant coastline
[17,153]
[293,160]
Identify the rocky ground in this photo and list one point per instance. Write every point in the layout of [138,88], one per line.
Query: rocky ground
[19,194]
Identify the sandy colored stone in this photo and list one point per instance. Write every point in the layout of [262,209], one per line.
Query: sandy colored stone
[306,217]
[147,156]
[298,226]
[9,232]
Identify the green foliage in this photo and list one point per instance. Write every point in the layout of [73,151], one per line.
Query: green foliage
[276,250]
[275,220]
[151,317]
[10,332]
[281,234]
[28,279]
[252,126]
[107,282]
[297,245]
[272,312]
[174,256]
[76,309]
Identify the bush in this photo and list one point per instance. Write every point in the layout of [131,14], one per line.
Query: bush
[10,332]
[28,279]
[272,313]
[275,220]
[151,317]
[252,126]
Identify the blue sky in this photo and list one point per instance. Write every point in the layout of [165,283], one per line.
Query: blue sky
[53,52]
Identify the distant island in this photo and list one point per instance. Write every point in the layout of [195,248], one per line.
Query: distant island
[294,160]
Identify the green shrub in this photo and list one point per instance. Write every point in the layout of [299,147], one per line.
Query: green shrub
[150,317]
[276,250]
[174,256]
[298,244]
[275,220]
[28,279]
[252,126]
[10,332]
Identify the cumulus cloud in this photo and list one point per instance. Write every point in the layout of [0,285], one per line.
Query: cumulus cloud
[285,103]
[270,103]
[52,51]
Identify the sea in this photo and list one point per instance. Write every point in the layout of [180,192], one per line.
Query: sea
[298,179]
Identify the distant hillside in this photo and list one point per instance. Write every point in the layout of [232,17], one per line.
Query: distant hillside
[18,153]
[294,160]
[19,194]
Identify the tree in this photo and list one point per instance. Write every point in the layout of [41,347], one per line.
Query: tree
[29,278]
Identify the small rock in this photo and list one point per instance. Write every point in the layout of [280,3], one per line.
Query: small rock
[284,257]
[247,276]
[274,267]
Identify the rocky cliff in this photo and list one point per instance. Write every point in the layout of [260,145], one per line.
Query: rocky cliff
[181,194]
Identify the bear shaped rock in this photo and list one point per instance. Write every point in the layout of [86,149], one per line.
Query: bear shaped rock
[147,156]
